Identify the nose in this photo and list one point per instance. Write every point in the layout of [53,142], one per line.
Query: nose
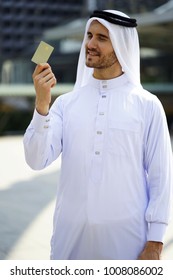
[91,43]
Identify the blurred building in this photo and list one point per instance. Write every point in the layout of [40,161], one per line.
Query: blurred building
[23,24]
[156,45]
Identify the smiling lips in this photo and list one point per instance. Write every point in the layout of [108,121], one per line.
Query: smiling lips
[92,53]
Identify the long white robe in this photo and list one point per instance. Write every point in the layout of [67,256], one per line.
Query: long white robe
[114,192]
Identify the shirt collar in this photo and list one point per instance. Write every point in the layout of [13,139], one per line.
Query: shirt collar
[108,84]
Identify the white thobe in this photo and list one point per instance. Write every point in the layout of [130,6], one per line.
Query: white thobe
[115,184]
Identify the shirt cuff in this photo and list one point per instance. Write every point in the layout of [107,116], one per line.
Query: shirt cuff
[40,123]
[156,232]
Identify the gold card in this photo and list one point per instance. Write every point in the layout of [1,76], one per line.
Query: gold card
[42,53]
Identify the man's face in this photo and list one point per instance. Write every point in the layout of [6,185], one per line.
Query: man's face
[99,51]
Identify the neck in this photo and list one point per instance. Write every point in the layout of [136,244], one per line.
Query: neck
[107,73]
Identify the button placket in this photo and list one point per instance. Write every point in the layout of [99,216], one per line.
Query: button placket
[99,135]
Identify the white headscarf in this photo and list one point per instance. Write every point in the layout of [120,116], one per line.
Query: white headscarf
[126,46]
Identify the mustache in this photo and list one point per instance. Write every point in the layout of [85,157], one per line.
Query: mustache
[92,50]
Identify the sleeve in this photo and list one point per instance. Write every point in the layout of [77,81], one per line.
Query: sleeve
[159,169]
[43,137]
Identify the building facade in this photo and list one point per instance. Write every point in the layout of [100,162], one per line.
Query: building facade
[23,22]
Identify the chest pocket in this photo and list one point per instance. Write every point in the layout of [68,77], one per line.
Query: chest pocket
[124,138]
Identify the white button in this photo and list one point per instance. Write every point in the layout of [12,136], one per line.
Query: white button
[97,153]
[48,120]
[101,113]
[46,126]
[104,86]
[99,132]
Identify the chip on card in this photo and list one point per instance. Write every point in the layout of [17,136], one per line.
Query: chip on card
[42,53]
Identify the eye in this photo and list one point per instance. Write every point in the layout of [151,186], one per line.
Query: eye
[102,38]
[89,36]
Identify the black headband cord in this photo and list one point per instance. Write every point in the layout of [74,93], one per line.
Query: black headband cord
[115,19]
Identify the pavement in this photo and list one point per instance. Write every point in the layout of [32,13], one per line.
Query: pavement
[27,201]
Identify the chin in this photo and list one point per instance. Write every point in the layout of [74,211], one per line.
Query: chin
[89,64]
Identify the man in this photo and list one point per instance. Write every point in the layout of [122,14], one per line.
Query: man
[113,199]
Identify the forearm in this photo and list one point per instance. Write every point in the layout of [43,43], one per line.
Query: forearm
[158,167]
[38,141]
[35,147]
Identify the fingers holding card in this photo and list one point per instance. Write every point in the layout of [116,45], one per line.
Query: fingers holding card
[43,77]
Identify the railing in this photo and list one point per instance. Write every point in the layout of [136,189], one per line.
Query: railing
[28,89]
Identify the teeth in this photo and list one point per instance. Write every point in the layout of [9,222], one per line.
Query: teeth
[91,53]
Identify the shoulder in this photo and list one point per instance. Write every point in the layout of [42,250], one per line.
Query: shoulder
[146,97]
[148,104]
[153,101]
[65,98]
